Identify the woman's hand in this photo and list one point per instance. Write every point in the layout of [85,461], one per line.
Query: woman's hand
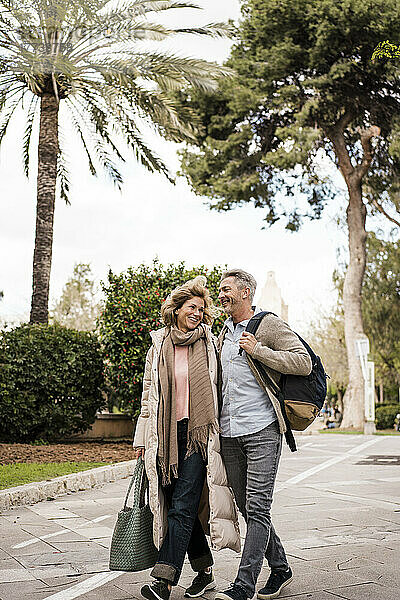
[247,342]
[137,452]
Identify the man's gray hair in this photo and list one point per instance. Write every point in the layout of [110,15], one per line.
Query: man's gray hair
[243,280]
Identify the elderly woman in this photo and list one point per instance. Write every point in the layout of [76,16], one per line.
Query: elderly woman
[177,432]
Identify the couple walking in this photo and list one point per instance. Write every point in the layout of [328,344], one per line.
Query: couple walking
[210,427]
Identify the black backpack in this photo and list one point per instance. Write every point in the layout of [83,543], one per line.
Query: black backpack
[301,397]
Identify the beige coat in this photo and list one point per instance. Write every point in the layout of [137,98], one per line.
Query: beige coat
[217,511]
[281,351]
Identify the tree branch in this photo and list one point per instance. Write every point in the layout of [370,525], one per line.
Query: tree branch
[344,121]
[366,136]
[336,135]
[383,211]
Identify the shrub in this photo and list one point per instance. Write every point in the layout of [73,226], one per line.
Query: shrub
[51,382]
[385,415]
[132,310]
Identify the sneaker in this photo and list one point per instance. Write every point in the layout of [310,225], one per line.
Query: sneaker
[276,582]
[202,582]
[235,592]
[158,590]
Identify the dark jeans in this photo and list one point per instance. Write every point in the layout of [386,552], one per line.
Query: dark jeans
[185,533]
[251,463]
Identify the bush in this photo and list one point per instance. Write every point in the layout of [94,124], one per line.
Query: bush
[385,415]
[132,310]
[51,382]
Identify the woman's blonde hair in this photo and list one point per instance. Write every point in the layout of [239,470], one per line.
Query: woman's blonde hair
[178,296]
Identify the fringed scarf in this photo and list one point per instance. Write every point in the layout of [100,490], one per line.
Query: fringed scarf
[202,417]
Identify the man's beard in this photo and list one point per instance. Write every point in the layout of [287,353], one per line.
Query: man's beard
[230,306]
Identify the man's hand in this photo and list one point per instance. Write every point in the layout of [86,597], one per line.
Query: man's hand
[247,342]
[138,452]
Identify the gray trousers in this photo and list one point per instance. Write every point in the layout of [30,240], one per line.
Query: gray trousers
[251,463]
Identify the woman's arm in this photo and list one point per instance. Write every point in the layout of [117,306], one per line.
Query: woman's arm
[139,441]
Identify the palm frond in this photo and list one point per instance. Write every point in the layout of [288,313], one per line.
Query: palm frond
[143,153]
[98,142]
[125,124]
[100,118]
[76,118]
[214,30]
[108,164]
[134,8]
[155,107]
[63,175]
[9,111]
[28,133]
[168,70]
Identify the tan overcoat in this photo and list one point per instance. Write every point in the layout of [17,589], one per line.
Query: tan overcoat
[217,511]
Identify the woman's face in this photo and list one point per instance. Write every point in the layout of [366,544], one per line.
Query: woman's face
[190,314]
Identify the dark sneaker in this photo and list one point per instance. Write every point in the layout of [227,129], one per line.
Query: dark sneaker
[156,591]
[202,582]
[235,592]
[276,582]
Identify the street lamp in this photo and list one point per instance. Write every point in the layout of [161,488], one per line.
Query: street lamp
[368,371]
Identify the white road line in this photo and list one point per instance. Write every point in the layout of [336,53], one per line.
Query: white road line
[59,532]
[84,586]
[40,539]
[353,482]
[324,465]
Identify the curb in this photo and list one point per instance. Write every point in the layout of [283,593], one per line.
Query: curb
[30,493]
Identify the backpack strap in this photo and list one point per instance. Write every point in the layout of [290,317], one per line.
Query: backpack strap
[252,327]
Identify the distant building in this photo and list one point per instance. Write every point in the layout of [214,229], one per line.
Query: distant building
[271,298]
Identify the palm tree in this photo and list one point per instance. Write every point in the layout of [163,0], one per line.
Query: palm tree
[95,65]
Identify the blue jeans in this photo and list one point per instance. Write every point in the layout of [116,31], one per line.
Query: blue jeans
[251,463]
[185,533]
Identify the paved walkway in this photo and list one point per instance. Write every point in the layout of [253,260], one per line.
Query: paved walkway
[336,508]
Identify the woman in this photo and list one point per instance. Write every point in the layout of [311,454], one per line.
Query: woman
[177,433]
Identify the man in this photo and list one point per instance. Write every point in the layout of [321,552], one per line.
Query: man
[251,427]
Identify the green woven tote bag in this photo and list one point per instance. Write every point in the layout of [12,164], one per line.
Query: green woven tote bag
[132,546]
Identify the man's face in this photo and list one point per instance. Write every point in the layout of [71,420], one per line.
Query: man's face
[230,296]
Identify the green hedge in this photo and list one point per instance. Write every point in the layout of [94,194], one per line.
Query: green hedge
[385,415]
[132,310]
[51,382]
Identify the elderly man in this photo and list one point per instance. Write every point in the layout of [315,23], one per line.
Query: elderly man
[251,427]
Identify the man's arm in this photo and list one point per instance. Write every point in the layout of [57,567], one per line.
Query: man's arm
[279,348]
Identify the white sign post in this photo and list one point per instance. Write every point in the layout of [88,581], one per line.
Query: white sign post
[368,371]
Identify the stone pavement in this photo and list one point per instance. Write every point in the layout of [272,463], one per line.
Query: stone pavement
[336,508]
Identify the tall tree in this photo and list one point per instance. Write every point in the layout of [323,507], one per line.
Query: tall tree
[88,63]
[77,306]
[381,308]
[307,90]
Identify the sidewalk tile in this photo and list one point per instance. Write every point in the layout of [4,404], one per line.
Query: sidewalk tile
[368,591]
[16,590]
[10,575]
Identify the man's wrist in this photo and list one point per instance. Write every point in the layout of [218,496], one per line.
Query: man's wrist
[255,349]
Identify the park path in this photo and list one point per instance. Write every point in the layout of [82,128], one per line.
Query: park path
[336,508]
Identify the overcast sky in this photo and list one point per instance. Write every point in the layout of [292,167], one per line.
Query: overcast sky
[151,217]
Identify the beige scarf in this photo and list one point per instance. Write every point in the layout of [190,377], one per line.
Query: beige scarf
[202,417]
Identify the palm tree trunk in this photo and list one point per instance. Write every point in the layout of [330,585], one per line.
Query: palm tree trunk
[353,401]
[46,191]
